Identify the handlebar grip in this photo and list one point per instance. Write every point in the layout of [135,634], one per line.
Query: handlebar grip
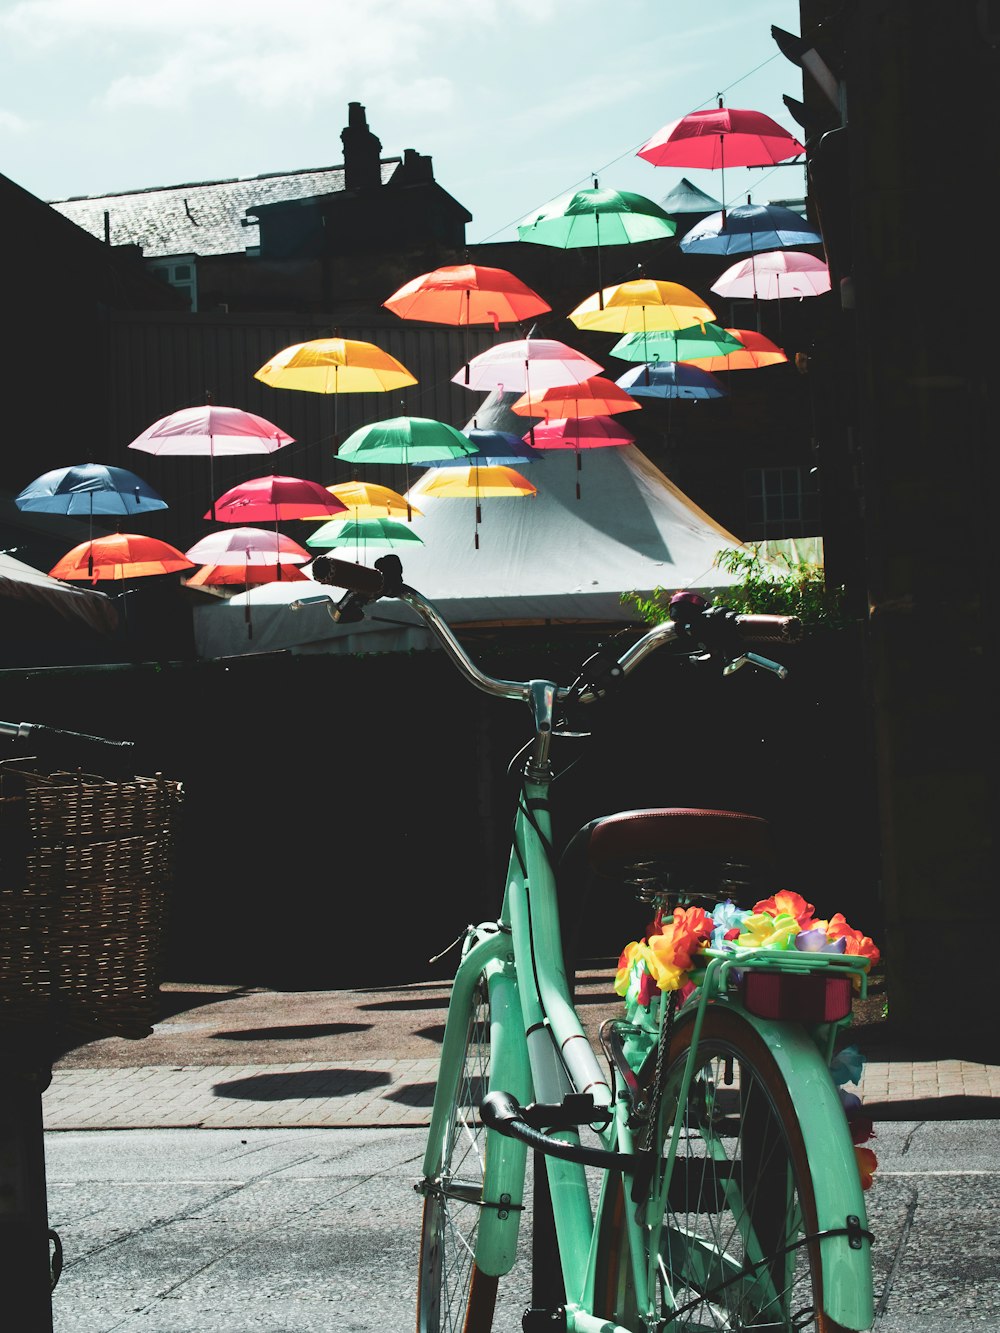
[343,574]
[770,629]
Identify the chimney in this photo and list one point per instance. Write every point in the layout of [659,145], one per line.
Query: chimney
[362,167]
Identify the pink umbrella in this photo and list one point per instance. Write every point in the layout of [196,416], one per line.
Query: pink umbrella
[257,547]
[212,430]
[525,364]
[775,275]
[274,498]
[578,433]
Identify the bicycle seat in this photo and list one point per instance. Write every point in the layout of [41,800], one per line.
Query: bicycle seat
[671,849]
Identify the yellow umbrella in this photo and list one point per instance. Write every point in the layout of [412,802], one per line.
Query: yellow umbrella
[334,365]
[490,481]
[365,499]
[643,303]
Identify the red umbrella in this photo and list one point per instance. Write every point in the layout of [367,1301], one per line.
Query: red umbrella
[756,351]
[122,555]
[719,138]
[464,294]
[265,499]
[212,430]
[580,433]
[224,575]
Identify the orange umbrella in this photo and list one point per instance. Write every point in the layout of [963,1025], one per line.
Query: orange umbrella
[222,575]
[123,555]
[593,397]
[465,294]
[756,351]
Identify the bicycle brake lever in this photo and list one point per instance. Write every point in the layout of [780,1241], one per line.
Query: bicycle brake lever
[755,659]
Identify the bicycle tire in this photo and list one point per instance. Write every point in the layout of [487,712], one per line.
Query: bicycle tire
[453,1294]
[741,1196]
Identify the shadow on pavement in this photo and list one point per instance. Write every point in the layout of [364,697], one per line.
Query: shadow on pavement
[307,1083]
[290,1032]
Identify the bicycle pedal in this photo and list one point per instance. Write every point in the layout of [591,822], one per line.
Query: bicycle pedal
[575,1109]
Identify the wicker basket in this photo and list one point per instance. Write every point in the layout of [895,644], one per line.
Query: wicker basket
[85,870]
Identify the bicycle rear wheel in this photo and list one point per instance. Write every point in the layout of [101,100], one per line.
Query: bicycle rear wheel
[453,1295]
[737,1245]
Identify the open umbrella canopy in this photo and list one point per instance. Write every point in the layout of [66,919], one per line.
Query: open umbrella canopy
[581,433]
[255,546]
[748,228]
[384,532]
[91,489]
[718,138]
[596,218]
[526,363]
[271,499]
[364,499]
[334,365]
[669,379]
[596,397]
[211,430]
[242,574]
[774,276]
[121,555]
[476,482]
[642,303]
[755,350]
[462,294]
[405,440]
[676,344]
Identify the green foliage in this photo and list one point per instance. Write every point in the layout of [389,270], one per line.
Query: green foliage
[768,586]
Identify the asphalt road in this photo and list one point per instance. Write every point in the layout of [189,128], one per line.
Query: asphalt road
[311,1231]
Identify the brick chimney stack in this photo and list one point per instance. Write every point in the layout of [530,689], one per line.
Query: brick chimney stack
[362,167]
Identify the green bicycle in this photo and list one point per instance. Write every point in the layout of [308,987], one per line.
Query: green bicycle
[701,1176]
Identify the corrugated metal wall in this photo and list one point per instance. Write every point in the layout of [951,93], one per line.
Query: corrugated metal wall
[160,364]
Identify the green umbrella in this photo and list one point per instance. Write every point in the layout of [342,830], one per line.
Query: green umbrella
[405,440]
[676,344]
[388,532]
[597,217]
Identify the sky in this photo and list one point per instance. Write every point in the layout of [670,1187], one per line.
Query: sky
[516,101]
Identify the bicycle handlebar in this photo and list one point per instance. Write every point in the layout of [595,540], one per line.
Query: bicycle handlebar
[715,630]
[71,748]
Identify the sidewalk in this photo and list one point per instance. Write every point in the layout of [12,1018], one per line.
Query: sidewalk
[227,1056]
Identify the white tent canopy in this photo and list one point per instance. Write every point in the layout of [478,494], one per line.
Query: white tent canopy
[548,558]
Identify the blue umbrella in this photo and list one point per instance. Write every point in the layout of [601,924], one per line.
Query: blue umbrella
[494,448]
[749,229]
[89,488]
[671,379]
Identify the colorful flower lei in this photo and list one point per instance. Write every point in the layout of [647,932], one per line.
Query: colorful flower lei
[665,960]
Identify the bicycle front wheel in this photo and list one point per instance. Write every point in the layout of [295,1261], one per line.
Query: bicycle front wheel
[453,1295]
[736,1227]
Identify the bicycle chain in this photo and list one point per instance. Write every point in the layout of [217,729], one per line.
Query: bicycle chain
[662,1048]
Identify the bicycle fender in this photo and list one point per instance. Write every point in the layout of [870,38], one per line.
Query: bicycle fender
[847,1277]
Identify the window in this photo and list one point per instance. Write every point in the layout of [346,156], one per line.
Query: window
[181,274]
[781,502]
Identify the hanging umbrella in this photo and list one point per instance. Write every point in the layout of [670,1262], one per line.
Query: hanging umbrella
[641,304]
[257,549]
[243,575]
[718,138]
[362,533]
[89,488]
[405,440]
[122,555]
[273,499]
[755,351]
[595,397]
[676,344]
[253,546]
[364,499]
[336,366]
[494,447]
[596,218]
[669,379]
[774,276]
[749,228]
[464,294]
[212,430]
[525,364]
[475,482]
[581,433]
